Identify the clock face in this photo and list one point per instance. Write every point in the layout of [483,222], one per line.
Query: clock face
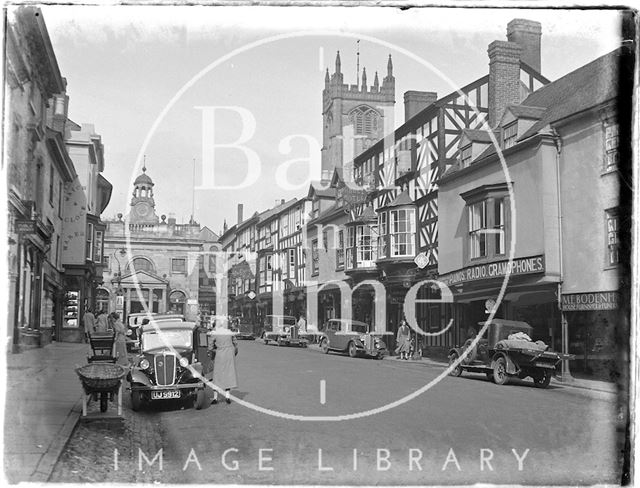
[142,209]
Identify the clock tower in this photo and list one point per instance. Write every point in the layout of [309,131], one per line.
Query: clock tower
[142,203]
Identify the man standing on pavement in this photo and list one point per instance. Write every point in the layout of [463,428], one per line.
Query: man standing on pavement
[89,323]
[101,322]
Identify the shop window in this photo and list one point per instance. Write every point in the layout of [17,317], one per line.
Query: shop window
[509,135]
[611,146]
[478,230]
[178,265]
[613,238]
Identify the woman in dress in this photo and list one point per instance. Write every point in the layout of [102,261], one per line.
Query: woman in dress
[404,340]
[224,364]
[120,344]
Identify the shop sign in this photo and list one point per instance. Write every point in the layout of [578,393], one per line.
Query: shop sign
[25,226]
[421,260]
[520,266]
[604,300]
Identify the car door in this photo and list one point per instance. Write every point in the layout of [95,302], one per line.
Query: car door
[339,341]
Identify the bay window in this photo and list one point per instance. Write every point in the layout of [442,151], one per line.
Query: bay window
[478,230]
[402,232]
[340,250]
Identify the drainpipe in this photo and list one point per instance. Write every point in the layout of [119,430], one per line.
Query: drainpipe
[565,375]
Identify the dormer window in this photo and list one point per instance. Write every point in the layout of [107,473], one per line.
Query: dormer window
[465,156]
[509,135]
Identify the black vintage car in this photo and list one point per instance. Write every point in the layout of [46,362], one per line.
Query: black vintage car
[172,355]
[507,351]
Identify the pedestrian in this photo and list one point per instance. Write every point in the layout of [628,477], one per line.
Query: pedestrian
[102,322]
[403,339]
[302,325]
[224,363]
[120,343]
[89,323]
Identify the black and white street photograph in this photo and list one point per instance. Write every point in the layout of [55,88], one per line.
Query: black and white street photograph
[348,244]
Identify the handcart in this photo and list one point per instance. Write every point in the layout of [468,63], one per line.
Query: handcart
[102,347]
[101,381]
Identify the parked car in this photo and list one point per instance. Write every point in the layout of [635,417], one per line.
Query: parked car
[353,337]
[502,358]
[282,329]
[169,348]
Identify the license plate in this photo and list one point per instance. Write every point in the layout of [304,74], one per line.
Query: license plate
[164,395]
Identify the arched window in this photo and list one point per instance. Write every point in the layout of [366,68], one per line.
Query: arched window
[102,299]
[141,264]
[177,300]
[365,121]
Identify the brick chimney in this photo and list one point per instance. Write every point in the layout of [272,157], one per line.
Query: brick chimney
[415,101]
[240,206]
[504,78]
[527,34]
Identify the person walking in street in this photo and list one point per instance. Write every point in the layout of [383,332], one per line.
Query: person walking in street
[403,340]
[120,344]
[302,325]
[224,363]
[89,323]
[101,322]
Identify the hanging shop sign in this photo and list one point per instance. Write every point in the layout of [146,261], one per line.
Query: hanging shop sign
[603,300]
[25,226]
[486,271]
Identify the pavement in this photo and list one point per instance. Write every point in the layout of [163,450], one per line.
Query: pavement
[43,406]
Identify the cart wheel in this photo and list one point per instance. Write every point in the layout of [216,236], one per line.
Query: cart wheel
[104,402]
[542,381]
[201,400]
[136,400]
[500,376]
[457,371]
[353,351]
[324,346]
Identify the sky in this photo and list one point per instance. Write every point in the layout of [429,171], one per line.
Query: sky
[173,83]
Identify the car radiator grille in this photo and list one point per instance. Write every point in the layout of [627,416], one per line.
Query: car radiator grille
[368,342]
[165,367]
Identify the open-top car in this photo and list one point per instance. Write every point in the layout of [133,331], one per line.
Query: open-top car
[282,329]
[169,351]
[507,352]
[353,337]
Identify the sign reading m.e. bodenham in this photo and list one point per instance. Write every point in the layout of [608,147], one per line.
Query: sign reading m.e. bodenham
[485,271]
[602,300]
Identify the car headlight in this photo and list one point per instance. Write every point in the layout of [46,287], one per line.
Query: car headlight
[144,363]
[363,338]
[129,332]
[184,362]
[286,329]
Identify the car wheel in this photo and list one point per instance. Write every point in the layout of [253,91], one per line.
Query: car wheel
[324,346]
[136,400]
[457,371]
[353,351]
[542,381]
[201,400]
[500,376]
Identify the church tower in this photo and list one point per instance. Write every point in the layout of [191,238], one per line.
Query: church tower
[142,204]
[352,115]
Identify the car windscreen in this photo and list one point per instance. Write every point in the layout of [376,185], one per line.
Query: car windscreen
[360,328]
[288,321]
[167,338]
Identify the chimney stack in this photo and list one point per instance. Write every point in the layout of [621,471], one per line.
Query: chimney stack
[527,34]
[240,213]
[282,201]
[415,101]
[504,78]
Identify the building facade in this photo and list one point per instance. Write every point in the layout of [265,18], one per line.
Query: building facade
[153,263]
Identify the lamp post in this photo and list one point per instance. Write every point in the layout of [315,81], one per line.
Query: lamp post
[117,281]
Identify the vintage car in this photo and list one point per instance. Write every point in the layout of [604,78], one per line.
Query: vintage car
[134,321]
[171,353]
[282,330]
[353,337]
[501,357]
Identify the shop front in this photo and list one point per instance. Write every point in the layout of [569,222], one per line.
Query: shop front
[593,320]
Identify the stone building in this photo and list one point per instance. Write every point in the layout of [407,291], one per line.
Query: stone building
[154,263]
[55,193]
